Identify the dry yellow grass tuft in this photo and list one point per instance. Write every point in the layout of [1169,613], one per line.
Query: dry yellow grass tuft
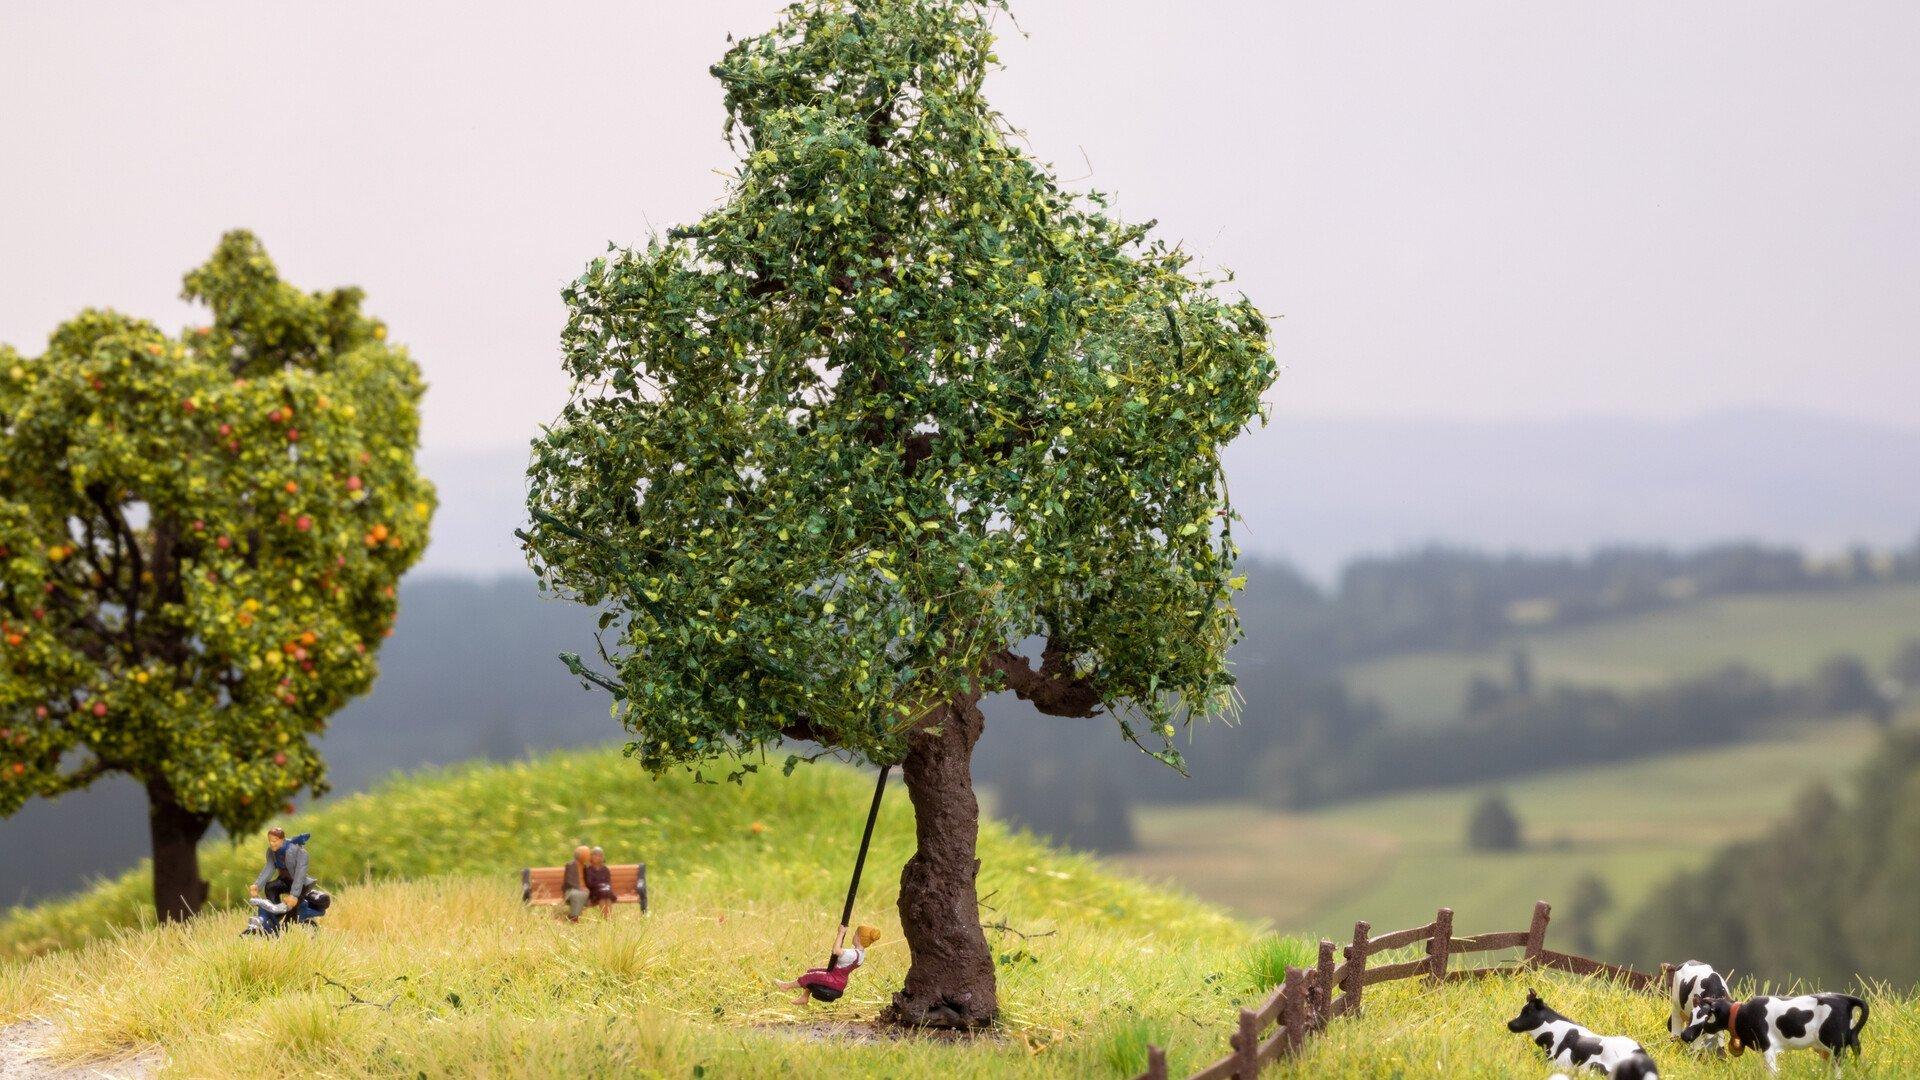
[446,974]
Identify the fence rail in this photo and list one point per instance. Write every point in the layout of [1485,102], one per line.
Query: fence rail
[1307,999]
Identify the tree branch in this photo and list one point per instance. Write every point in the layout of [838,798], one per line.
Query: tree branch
[801,729]
[84,776]
[356,999]
[126,546]
[1054,689]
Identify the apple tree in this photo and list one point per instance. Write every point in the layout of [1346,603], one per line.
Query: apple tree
[199,542]
[899,424]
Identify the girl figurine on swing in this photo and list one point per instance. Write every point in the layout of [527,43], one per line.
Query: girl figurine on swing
[828,983]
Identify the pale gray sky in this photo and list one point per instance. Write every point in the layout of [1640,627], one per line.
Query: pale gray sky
[1467,210]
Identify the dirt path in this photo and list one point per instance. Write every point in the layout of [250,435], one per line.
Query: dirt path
[860,1031]
[23,1048]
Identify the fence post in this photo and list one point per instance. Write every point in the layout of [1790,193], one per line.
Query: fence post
[1439,944]
[1537,933]
[1323,986]
[1246,1047]
[1357,966]
[1156,1064]
[1295,1010]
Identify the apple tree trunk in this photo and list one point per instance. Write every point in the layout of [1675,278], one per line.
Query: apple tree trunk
[178,889]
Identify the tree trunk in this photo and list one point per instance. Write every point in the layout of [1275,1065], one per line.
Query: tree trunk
[950,983]
[178,890]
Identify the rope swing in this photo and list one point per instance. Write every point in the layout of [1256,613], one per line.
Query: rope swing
[829,982]
[860,861]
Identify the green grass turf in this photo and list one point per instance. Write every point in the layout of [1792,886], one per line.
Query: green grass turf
[1787,635]
[1393,860]
[1458,1031]
[469,983]
[747,881]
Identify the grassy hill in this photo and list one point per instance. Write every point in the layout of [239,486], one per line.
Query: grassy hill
[1392,860]
[460,980]
[1786,635]
[747,883]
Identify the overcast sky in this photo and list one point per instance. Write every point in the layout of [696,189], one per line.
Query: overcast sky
[1461,210]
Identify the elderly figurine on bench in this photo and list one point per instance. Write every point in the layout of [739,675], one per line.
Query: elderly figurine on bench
[599,879]
[573,886]
[587,880]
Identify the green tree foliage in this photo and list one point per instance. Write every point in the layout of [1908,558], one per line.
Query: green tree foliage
[1580,916]
[1826,897]
[1905,668]
[1494,826]
[1843,684]
[1077,805]
[898,405]
[199,541]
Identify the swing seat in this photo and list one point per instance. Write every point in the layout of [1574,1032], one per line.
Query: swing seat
[826,984]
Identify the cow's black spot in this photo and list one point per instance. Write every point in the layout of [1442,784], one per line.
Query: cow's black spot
[1638,1067]
[1752,1026]
[1713,986]
[1545,1039]
[1686,989]
[1793,1022]
[1579,1048]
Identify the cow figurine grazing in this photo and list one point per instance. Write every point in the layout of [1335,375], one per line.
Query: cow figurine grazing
[1693,983]
[1772,1024]
[1572,1045]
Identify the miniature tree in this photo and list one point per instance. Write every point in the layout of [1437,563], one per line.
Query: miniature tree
[1494,826]
[897,407]
[1906,665]
[199,541]
[1590,902]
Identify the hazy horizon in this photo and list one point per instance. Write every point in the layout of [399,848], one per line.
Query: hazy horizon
[1318,492]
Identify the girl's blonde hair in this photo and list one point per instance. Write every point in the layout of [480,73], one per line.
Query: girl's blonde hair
[865,935]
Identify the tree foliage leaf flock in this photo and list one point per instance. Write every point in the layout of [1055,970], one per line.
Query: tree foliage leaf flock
[897,405]
[199,540]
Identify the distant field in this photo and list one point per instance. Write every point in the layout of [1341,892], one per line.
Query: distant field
[1787,635]
[1392,860]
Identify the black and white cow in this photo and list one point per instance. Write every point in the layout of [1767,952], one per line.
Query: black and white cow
[1568,1043]
[1769,1025]
[1694,982]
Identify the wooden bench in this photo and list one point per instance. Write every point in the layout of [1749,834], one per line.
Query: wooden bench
[541,884]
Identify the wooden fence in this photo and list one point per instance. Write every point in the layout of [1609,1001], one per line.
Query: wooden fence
[1307,1000]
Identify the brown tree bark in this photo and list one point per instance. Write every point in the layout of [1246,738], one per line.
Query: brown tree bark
[178,889]
[950,983]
